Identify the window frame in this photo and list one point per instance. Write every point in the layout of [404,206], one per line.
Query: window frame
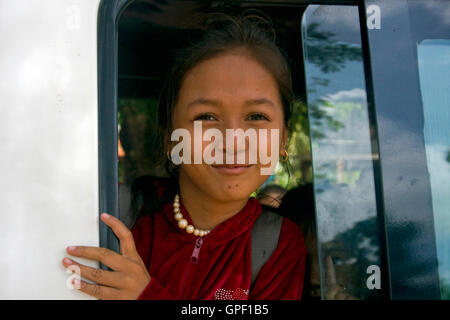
[377,183]
[415,221]
[107,69]
[388,211]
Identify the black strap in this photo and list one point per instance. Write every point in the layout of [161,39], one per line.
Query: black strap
[265,235]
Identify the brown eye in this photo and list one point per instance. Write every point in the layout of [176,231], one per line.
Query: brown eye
[205,117]
[257,117]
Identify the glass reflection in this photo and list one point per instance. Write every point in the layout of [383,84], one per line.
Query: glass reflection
[340,131]
[434,64]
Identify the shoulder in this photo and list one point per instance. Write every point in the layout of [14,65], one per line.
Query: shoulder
[290,232]
[283,273]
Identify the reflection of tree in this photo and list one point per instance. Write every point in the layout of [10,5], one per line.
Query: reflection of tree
[326,53]
[331,118]
[352,252]
[330,56]
[322,120]
[448,156]
[332,164]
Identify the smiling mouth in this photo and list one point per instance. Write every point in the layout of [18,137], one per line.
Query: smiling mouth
[232,169]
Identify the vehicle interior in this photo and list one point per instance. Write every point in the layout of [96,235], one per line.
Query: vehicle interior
[150,32]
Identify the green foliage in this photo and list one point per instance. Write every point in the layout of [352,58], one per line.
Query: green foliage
[298,169]
[138,119]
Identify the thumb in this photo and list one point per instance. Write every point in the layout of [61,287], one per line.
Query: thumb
[127,246]
[330,273]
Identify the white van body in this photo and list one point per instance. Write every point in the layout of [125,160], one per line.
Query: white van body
[49,143]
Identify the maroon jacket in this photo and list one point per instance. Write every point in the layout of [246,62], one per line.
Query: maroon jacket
[223,268]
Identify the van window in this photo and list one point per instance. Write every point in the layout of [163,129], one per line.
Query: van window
[147,38]
[341,132]
[434,67]
[331,149]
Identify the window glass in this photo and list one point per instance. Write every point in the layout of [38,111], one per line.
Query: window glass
[409,105]
[333,121]
[343,160]
[142,70]
[434,66]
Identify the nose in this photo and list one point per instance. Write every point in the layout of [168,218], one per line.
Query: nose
[233,131]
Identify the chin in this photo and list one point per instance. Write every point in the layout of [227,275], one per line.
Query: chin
[226,186]
[234,190]
[234,194]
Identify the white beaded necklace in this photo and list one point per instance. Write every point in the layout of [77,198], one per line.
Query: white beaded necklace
[183,223]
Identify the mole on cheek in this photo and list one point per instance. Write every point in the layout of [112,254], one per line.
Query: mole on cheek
[237,185]
[229,187]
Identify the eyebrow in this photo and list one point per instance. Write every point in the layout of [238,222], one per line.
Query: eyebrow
[260,101]
[217,103]
[204,101]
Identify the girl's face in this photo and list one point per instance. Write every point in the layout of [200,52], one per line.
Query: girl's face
[230,91]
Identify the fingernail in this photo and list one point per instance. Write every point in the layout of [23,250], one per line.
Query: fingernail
[105,215]
[71,248]
[67,261]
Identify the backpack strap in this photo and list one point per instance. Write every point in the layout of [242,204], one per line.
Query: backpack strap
[265,235]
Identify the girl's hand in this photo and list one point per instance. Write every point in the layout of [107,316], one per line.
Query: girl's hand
[334,291]
[129,276]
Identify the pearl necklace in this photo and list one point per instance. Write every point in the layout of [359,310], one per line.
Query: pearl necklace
[183,223]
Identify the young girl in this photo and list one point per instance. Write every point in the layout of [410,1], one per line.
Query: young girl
[194,240]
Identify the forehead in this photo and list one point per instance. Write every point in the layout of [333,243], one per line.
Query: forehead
[231,76]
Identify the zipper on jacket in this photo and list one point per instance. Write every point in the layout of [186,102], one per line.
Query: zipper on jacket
[198,245]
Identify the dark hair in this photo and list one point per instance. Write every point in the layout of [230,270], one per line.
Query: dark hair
[223,33]
[266,191]
[271,188]
[298,205]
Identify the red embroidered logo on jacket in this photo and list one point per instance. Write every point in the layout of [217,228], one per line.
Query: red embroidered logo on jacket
[236,294]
